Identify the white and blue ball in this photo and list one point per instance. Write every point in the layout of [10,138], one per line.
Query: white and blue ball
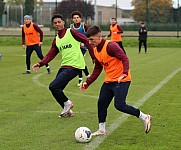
[83,134]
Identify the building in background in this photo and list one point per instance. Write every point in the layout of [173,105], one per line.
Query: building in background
[43,14]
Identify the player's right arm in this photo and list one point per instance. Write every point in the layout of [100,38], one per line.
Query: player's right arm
[23,38]
[49,56]
[95,74]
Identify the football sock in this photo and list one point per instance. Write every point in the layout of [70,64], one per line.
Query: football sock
[67,102]
[102,126]
[88,76]
[142,116]
[80,80]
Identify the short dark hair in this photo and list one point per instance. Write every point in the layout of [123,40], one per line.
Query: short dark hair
[114,18]
[93,30]
[57,16]
[76,13]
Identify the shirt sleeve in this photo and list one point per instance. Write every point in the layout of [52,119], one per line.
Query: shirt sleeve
[114,50]
[120,29]
[39,31]
[96,72]
[50,55]
[86,27]
[23,36]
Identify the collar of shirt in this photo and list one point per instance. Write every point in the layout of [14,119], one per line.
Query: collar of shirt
[28,25]
[77,25]
[100,46]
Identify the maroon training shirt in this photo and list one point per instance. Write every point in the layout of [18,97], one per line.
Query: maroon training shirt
[54,50]
[113,50]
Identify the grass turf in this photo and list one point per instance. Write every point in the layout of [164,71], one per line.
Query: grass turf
[29,114]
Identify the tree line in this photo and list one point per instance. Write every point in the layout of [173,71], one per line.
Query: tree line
[153,11]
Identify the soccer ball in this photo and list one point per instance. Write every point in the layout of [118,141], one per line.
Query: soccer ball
[83,134]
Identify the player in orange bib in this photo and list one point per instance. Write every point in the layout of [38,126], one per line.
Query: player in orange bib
[33,36]
[111,58]
[115,33]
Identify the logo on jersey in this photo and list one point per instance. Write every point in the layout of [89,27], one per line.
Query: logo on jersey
[65,46]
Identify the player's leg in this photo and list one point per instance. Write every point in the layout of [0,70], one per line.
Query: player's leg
[121,46]
[140,43]
[86,72]
[145,46]
[80,79]
[29,50]
[39,53]
[120,92]
[105,97]
[57,86]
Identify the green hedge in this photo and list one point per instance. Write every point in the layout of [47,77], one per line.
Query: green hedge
[127,42]
[151,27]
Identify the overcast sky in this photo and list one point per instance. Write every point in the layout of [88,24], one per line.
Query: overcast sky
[125,4]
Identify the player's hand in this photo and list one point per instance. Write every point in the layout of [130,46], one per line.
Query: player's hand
[40,44]
[84,86]
[122,77]
[24,46]
[35,67]
[82,45]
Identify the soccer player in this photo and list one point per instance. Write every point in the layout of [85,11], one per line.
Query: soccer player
[142,37]
[34,37]
[115,33]
[110,56]
[82,28]
[67,43]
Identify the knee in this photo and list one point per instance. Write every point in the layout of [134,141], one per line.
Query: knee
[51,87]
[119,106]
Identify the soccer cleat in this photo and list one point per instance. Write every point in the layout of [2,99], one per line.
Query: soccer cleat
[66,109]
[68,114]
[80,83]
[147,123]
[27,72]
[99,133]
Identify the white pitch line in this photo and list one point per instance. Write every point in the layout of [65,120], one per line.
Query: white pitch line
[54,111]
[98,140]
[36,81]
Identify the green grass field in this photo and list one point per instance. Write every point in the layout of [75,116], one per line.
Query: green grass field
[29,113]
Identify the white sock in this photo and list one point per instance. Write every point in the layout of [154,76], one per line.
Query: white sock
[142,116]
[68,102]
[88,76]
[102,126]
[48,67]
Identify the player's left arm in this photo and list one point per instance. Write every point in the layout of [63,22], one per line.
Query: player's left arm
[39,31]
[86,27]
[114,50]
[120,29]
